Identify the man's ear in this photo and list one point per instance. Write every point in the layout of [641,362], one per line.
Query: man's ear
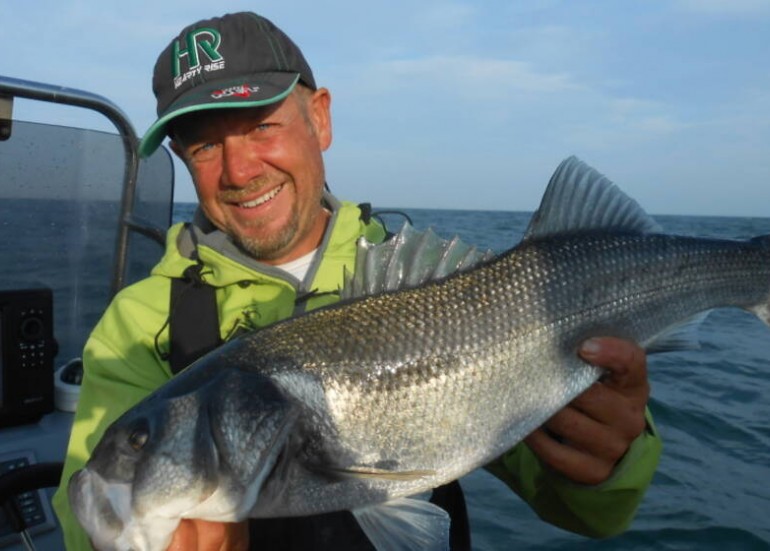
[321,117]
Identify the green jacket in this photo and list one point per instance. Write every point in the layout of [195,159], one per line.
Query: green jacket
[124,362]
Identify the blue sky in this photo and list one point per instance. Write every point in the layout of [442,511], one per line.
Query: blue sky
[470,104]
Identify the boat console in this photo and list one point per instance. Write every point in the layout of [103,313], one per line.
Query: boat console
[80,217]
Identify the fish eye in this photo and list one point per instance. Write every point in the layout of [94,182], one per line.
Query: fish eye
[138,438]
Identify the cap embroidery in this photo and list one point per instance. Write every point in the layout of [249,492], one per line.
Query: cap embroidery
[242,91]
[206,40]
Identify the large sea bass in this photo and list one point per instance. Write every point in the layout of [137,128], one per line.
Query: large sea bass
[361,405]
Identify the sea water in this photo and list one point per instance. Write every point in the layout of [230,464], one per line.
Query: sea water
[711,407]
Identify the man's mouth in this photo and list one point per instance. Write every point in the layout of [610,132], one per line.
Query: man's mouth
[262,199]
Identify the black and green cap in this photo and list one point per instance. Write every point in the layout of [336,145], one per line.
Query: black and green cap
[238,60]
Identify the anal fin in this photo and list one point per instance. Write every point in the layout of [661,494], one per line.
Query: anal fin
[405,524]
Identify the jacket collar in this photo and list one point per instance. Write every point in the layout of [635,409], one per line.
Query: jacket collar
[225,262]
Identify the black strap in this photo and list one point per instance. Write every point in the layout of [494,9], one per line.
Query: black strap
[367,213]
[193,319]
[450,498]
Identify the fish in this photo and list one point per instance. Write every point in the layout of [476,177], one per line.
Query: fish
[417,377]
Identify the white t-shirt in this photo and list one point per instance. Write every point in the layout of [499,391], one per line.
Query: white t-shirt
[298,268]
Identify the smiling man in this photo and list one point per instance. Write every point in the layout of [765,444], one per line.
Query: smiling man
[244,113]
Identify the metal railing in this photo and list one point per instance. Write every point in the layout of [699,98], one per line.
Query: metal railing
[15,88]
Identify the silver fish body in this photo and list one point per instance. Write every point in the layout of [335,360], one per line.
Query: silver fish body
[389,395]
[394,389]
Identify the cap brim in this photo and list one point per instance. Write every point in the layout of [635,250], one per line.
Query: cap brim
[262,89]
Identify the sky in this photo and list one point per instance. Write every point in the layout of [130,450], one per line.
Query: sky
[467,104]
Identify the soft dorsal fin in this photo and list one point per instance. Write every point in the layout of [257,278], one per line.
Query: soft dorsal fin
[579,198]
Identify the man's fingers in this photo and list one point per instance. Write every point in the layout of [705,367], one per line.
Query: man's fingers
[576,465]
[625,361]
[185,537]
[585,440]
[614,408]
[202,535]
[585,433]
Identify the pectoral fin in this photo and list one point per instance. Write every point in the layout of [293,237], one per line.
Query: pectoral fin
[372,473]
[405,524]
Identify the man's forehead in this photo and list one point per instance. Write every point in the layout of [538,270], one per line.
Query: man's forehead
[198,121]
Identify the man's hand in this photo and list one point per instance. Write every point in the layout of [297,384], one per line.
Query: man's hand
[586,439]
[202,535]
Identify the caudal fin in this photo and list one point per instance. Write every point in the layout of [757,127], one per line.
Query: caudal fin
[762,310]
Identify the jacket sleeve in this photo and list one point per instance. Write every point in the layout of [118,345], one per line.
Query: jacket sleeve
[599,511]
[120,368]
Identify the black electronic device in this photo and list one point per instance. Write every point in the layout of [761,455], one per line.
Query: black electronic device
[27,351]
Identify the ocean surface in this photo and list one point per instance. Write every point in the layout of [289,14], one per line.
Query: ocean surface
[711,407]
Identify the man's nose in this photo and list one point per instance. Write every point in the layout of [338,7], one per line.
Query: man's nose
[242,162]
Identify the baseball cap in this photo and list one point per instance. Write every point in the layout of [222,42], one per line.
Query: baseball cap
[237,60]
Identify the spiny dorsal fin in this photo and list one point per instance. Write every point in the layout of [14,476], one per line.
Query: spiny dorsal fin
[579,198]
[408,259]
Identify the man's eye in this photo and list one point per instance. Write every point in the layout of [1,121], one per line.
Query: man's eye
[203,151]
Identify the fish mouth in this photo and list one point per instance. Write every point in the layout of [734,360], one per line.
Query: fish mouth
[104,511]
[99,506]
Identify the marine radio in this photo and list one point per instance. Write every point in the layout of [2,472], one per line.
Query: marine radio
[27,351]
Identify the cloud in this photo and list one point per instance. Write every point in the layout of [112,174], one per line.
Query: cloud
[470,77]
[649,117]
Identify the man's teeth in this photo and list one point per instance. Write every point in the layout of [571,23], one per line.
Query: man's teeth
[262,199]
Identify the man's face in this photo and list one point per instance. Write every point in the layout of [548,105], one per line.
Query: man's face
[259,172]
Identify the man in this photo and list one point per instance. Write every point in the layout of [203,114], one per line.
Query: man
[244,113]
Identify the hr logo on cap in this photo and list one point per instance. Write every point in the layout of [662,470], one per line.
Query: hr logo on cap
[204,40]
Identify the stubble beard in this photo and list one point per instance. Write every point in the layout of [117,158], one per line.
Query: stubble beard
[272,246]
